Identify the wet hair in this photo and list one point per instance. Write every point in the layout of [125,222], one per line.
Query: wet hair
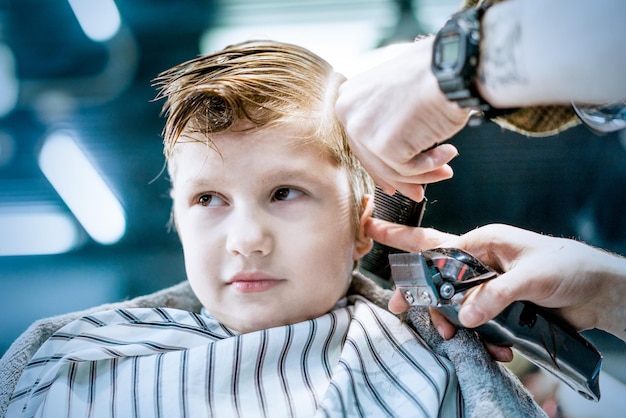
[259,84]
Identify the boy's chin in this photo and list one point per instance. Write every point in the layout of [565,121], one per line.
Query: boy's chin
[260,322]
[245,327]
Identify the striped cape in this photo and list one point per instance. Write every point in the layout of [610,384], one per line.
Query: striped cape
[357,360]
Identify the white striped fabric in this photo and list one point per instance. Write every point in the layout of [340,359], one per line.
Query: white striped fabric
[357,360]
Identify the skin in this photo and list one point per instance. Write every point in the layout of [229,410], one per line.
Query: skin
[519,39]
[266,227]
[390,139]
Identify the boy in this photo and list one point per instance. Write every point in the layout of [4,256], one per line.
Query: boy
[270,207]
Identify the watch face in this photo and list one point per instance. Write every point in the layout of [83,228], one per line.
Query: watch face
[448,51]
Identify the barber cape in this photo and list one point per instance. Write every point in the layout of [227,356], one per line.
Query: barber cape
[358,360]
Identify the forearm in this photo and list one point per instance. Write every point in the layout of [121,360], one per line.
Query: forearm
[549,52]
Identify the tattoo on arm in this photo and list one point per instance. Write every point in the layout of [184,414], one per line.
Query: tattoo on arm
[500,55]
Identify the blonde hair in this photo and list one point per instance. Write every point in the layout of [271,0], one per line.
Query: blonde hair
[265,83]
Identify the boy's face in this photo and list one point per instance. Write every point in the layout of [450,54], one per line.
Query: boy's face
[267,227]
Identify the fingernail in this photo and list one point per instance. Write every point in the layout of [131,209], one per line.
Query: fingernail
[442,331]
[507,356]
[470,316]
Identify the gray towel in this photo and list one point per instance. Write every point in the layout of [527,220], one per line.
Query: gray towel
[488,389]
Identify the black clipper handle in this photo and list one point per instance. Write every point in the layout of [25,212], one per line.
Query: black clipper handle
[546,340]
[398,209]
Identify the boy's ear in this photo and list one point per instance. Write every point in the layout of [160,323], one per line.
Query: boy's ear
[363,242]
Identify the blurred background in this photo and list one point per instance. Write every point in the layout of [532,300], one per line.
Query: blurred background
[84,204]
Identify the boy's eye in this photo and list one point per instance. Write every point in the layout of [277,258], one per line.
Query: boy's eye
[286,193]
[210,200]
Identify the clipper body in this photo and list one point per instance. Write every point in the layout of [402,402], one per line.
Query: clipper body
[441,277]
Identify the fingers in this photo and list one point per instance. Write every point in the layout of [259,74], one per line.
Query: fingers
[442,325]
[415,191]
[499,353]
[410,165]
[412,191]
[415,184]
[407,175]
[397,303]
[404,237]
[447,331]
[424,161]
[388,188]
[489,299]
[404,169]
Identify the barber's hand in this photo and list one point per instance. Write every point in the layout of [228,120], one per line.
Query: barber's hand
[393,113]
[585,285]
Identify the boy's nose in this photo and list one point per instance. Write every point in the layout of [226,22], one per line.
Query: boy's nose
[249,235]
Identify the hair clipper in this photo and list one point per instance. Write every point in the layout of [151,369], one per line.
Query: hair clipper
[441,277]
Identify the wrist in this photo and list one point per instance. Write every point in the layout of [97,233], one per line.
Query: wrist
[610,275]
[429,86]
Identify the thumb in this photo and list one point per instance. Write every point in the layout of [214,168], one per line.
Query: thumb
[397,303]
[489,299]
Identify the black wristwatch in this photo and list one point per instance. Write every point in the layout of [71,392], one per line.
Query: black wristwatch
[456,54]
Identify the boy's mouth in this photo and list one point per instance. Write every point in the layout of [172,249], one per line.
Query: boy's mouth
[253,282]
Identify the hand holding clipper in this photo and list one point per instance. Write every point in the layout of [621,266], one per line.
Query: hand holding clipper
[441,277]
